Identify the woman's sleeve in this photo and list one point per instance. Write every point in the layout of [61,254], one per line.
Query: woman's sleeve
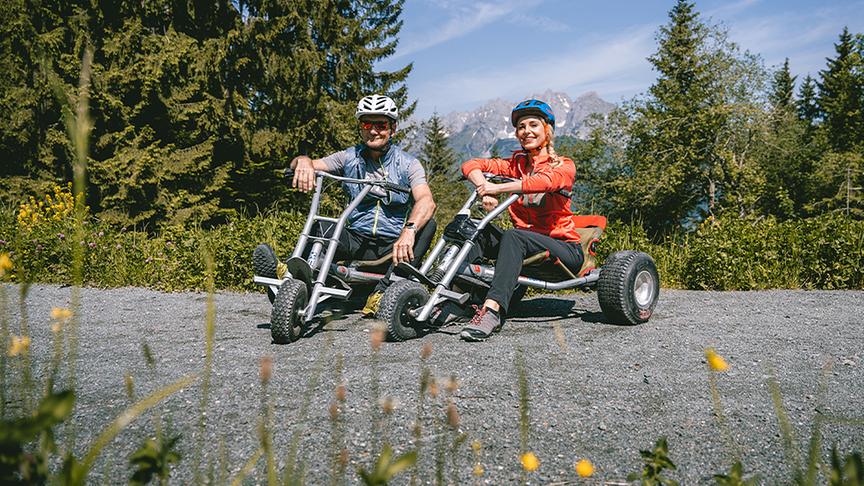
[551,179]
[493,166]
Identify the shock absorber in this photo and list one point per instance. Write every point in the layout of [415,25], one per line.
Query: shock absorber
[314,253]
[483,272]
[444,262]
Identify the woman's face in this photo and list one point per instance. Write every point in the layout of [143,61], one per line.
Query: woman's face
[531,133]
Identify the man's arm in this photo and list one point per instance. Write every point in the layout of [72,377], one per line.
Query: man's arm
[304,172]
[421,213]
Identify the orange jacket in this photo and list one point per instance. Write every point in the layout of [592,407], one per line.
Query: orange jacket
[553,216]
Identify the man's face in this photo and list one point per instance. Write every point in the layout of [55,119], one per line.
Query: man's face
[375,130]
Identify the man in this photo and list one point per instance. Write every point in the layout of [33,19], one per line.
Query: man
[384,222]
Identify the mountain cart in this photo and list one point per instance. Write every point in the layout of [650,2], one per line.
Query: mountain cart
[313,277]
[627,284]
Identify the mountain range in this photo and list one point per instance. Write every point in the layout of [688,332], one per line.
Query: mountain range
[475,133]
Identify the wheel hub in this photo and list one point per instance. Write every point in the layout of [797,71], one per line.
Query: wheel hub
[643,288]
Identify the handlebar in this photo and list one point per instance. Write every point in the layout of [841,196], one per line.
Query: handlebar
[498,179]
[289,173]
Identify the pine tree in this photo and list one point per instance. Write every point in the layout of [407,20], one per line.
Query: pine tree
[436,155]
[808,110]
[689,138]
[841,95]
[783,89]
[196,104]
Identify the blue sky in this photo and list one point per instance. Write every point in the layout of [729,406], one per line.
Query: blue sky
[467,52]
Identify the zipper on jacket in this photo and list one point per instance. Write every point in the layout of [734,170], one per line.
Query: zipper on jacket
[375,221]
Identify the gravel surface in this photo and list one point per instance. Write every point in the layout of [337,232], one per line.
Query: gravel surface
[597,390]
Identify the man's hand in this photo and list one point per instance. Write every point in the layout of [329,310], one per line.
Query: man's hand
[304,173]
[489,203]
[403,249]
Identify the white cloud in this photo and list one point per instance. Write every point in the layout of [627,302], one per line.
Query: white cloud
[462,19]
[798,35]
[611,66]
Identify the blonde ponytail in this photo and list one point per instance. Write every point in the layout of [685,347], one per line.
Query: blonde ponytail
[550,145]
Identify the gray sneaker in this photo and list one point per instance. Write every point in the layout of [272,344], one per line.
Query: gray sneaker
[482,325]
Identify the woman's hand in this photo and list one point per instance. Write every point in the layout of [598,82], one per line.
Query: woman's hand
[488,189]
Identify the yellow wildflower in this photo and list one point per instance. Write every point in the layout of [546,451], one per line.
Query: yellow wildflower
[20,345]
[476,445]
[478,470]
[584,468]
[530,462]
[5,264]
[715,361]
[60,314]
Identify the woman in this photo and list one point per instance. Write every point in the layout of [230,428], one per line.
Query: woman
[542,218]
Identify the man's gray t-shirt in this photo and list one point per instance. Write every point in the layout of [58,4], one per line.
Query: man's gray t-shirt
[374,170]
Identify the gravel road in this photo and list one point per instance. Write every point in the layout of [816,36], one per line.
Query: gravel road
[597,390]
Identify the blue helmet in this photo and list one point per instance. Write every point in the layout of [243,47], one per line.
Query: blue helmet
[533,107]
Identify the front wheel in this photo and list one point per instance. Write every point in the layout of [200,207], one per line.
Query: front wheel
[286,324]
[398,299]
[628,287]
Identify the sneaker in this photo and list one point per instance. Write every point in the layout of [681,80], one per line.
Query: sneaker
[482,325]
[372,304]
[266,264]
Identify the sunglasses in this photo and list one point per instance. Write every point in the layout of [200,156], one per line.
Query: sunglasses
[377,125]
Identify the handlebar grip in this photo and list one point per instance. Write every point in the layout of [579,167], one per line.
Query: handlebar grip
[396,188]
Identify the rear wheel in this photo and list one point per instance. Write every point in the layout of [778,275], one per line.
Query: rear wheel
[628,287]
[286,325]
[400,298]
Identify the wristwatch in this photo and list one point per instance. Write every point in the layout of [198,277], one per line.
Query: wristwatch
[410,225]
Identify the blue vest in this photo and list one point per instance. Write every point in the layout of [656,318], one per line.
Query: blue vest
[379,216]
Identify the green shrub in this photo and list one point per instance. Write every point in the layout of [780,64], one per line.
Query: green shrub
[832,252]
[736,254]
[825,252]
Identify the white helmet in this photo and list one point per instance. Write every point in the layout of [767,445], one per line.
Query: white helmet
[377,105]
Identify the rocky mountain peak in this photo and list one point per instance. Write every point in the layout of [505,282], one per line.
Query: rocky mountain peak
[474,133]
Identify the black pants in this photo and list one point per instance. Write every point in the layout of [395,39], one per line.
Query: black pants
[510,247]
[357,246]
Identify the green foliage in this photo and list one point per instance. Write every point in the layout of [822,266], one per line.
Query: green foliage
[832,252]
[807,109]
[386,467]
[153,459]
[194,106]
[688,139]
[735,477]
[850,473]
[729,253]
[839,184]
[841,87]
[782,88]
[656,461]
[168,260]
[436,155]
[16,433]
